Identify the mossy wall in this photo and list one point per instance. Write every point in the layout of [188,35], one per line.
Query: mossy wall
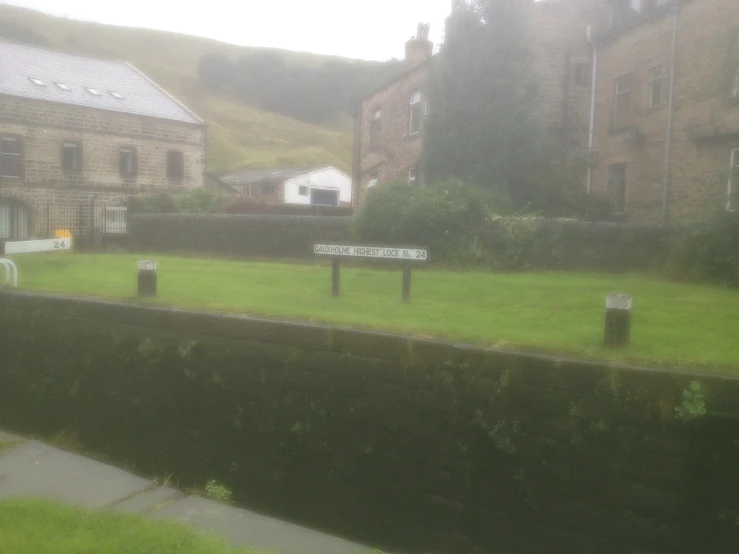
[413,445]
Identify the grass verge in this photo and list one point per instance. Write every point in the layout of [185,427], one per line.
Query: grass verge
[674,324]
[34,526]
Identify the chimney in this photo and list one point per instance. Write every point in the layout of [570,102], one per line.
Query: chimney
[419,48]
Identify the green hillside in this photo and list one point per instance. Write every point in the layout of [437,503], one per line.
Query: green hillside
[241,135]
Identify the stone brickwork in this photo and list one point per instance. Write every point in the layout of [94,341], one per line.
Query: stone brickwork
[706,122]
[396,151]
[78,202]
[411,445]
[44,126]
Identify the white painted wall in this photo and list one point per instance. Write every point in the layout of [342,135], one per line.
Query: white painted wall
[328,178]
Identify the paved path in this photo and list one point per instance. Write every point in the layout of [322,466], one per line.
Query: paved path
[34,469]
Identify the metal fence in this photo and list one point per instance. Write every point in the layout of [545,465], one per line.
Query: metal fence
[95,225]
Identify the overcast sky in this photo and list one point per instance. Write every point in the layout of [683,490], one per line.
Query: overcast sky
[374,30]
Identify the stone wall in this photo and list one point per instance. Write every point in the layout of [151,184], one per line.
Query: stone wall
[397,151]
[235,235]
[408,444]
[43,127]
[706,122]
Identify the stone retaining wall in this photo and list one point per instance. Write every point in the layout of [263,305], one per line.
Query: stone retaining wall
[414,445]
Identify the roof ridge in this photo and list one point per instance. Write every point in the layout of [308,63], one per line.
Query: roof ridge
[163,91]
[63,52]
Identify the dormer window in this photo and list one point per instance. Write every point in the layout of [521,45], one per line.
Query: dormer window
[62,86]
[37,82]
[93,91]
[116,95]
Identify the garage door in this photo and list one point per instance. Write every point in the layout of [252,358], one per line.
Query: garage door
[322,197]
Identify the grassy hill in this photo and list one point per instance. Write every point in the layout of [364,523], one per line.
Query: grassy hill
[240,136]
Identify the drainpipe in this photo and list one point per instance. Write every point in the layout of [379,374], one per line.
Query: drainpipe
[670,109]
[591,137]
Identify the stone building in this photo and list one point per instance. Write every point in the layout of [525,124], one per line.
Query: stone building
[79,135]
[389,121]
[667,108]
[389,124]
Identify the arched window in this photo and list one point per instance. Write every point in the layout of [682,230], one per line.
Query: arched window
[15,220]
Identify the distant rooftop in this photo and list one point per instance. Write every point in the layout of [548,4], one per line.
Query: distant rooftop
[41,74]
[251,176]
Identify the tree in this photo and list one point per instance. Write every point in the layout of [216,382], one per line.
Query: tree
[483,125]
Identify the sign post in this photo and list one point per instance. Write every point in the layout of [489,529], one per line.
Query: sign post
[8,248]
[335,276]
[407,256]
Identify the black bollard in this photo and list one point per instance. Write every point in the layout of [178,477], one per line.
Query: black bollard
[618,320]
[147,279]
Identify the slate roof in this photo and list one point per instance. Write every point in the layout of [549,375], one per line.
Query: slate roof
[140,95]
[252,176]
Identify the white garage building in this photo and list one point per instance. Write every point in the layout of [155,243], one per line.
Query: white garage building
[318,186]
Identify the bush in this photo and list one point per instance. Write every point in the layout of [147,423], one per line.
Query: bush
[195,201]
[707,251]
[443,217]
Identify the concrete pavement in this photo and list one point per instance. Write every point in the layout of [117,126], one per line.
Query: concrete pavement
[33,469]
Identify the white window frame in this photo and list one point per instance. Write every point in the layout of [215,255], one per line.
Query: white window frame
[412,175]
[19,142]
[733,164]
[656,78]
[415,105]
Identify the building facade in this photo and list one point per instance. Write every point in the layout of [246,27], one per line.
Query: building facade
[78,136]
[318,186]
[667,108]
[389,124]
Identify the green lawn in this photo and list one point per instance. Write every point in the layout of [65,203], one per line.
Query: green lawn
[42,526]
[674,324]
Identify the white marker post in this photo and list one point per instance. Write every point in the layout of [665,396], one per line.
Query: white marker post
[618,320]
[405,255]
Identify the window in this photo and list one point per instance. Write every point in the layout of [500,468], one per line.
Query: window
[62,86]
[15,220]
[93,91]
[266,189]
[127,161]
[655,87]
[582,74]
[116,95]
[733,192]
[415,114]
[37,82]
[115,220]
[71,156]
[617,186]
[375,129]
[622,108]
[302,190]
[175,165]
[412,176]
[11,156]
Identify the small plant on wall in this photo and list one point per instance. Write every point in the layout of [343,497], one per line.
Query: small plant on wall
[693,405]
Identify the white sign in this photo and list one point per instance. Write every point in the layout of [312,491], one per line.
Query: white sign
[30,246]
[385,252]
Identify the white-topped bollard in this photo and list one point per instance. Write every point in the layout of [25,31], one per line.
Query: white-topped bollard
[147,278]
[618,320]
